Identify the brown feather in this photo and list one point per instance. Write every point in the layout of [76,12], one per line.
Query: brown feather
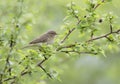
[41,39]
[45,38]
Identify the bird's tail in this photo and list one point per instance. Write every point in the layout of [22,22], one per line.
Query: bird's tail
[25,47]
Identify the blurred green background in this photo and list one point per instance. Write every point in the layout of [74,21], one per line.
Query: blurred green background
[43,15]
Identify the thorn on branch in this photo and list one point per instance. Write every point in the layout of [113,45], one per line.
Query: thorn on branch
[111,28]
[109,39]
[92,35]
[12,42]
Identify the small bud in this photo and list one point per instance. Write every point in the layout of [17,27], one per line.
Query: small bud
[17,25]
[68,6]
[85,16]
[76,11]
[100,20]
[73,3]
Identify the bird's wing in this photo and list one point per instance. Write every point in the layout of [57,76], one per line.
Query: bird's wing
[41,39]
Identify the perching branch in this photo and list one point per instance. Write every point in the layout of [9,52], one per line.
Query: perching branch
[92,39]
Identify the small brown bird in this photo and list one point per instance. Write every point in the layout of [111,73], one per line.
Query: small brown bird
[45,38]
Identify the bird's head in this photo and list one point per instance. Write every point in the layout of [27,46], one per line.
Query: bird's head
[52,33]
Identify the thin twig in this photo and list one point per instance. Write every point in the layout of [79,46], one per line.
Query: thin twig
[67,46]
[23,72]
[74,14]
[69,32]
[104,36]
[11,45]
[11,78]
[40,65]
[73,51]
[98,4]
[7,65]
[48,74]
[23,59]
[92,39]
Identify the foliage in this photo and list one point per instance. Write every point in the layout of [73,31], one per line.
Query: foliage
[95,34]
